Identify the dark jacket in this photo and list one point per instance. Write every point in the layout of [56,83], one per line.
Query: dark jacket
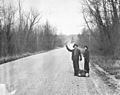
[75,57]
[86,55]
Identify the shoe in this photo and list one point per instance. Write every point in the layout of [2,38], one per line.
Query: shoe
[87,74]
[79,75]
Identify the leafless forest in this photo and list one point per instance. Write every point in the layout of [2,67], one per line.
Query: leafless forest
[102,35]
[21,32]
[103,21]
[51,73]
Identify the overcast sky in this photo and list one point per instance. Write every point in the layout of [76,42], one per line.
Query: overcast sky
[66,15]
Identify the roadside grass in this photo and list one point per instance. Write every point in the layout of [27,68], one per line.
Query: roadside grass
[111,76]
[6,59]
[110,84]
[109,64]
[12,58]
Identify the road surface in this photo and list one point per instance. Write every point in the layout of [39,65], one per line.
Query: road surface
[49,73]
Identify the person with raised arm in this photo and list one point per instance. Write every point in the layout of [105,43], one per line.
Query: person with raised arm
[76,56]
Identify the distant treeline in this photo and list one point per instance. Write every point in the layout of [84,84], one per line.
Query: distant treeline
[22,32]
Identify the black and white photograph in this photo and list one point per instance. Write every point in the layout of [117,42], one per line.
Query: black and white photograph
[59,47]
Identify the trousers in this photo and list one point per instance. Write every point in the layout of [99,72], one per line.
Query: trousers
[76,66]
[86,65]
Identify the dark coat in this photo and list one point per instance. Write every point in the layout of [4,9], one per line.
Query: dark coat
[86,55]
[75,57]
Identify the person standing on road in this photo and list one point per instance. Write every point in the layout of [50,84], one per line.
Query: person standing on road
[75,58]
[86,60]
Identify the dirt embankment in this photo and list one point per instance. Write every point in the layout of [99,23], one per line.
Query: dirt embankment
[109,71]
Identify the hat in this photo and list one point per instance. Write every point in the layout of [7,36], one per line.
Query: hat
[86,46]
[75,45]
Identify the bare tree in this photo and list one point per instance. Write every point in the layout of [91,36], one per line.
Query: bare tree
[21,32]
[104,15]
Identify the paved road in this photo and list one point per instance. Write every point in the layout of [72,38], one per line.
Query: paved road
[49,73]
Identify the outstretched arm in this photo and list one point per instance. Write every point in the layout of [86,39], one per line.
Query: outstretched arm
[68,49]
